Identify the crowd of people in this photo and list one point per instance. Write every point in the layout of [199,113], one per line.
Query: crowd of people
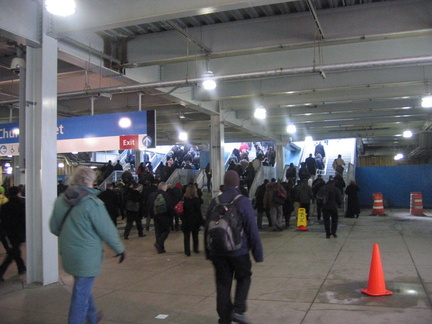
[80,206]
[304,188]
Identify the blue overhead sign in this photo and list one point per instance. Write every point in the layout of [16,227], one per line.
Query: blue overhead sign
[103,125]
[91,133]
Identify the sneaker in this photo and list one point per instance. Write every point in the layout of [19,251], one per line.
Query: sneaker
[240,318]
[334,235]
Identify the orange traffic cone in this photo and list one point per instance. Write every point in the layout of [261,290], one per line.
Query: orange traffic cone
[376,284]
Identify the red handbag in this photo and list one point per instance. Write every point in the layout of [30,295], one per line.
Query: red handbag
[178,208]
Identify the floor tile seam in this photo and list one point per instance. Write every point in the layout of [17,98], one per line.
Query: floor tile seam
[369,306]
[137,282]
[164,293]
[416,269]
[22,288]
[44,310]
[329,271]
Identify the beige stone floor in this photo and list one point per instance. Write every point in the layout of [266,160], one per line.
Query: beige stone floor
[305,279]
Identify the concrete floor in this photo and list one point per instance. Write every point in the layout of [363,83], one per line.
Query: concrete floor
[305,279]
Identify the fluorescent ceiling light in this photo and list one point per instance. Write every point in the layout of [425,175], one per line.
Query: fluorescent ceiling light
[427,102]
[183,136]
[291,129]
[399,156]
[407,134]
[209,82]
[60,7]
[308,139]
[260,113]
[125,122]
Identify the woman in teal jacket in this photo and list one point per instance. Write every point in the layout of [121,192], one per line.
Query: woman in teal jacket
[81,222]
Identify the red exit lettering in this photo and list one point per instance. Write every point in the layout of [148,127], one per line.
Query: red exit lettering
[129,142]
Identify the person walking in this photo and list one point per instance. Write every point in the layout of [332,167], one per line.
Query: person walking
[112,201]
[3,238]
[134,210]
[338,164]
[331,201]
[304,195]
[319,149]
[13,223]
[208,172]
[82,223]
[191,219]
[311,165]
[317,184]
[161,208]
[353,208]
[235,264]
[259,204]
[291,172]
[276,208]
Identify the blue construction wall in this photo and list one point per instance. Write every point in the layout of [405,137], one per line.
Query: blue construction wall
[395,183]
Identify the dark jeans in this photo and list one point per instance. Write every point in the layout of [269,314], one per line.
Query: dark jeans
[186,234]
[4,241]
[227,268]
[176,222]
[330,221]
[132,217]
[162,225]
[260,217]
[319,209]
[14,254]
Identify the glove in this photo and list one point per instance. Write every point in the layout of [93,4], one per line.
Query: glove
[122,257]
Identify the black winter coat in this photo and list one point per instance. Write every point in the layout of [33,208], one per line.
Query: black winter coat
[13,219]
[192,217]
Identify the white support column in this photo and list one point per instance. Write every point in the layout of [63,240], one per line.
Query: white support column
[217,141]
[41,160]
[280,160]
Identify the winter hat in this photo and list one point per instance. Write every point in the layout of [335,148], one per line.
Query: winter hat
[231,179]
[178,185]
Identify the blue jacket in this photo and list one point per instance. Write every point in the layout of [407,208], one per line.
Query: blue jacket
[87,226]
[251,237]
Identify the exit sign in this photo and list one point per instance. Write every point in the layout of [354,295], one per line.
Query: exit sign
[129,142]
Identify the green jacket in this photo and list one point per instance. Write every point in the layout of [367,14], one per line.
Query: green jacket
[87,226]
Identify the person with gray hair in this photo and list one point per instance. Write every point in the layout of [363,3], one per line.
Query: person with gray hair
[82,224]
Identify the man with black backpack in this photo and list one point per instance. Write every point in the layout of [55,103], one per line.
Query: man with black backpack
[162,209]
[331,199]
[231,232]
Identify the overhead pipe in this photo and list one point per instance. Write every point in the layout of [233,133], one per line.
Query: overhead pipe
[315,17]
[140,94]
[188,36]
[338,67]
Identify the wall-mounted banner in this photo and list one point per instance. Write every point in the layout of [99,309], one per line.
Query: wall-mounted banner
[120,131]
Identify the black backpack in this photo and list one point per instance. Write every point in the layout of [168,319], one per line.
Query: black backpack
[323,195]
[224,228]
